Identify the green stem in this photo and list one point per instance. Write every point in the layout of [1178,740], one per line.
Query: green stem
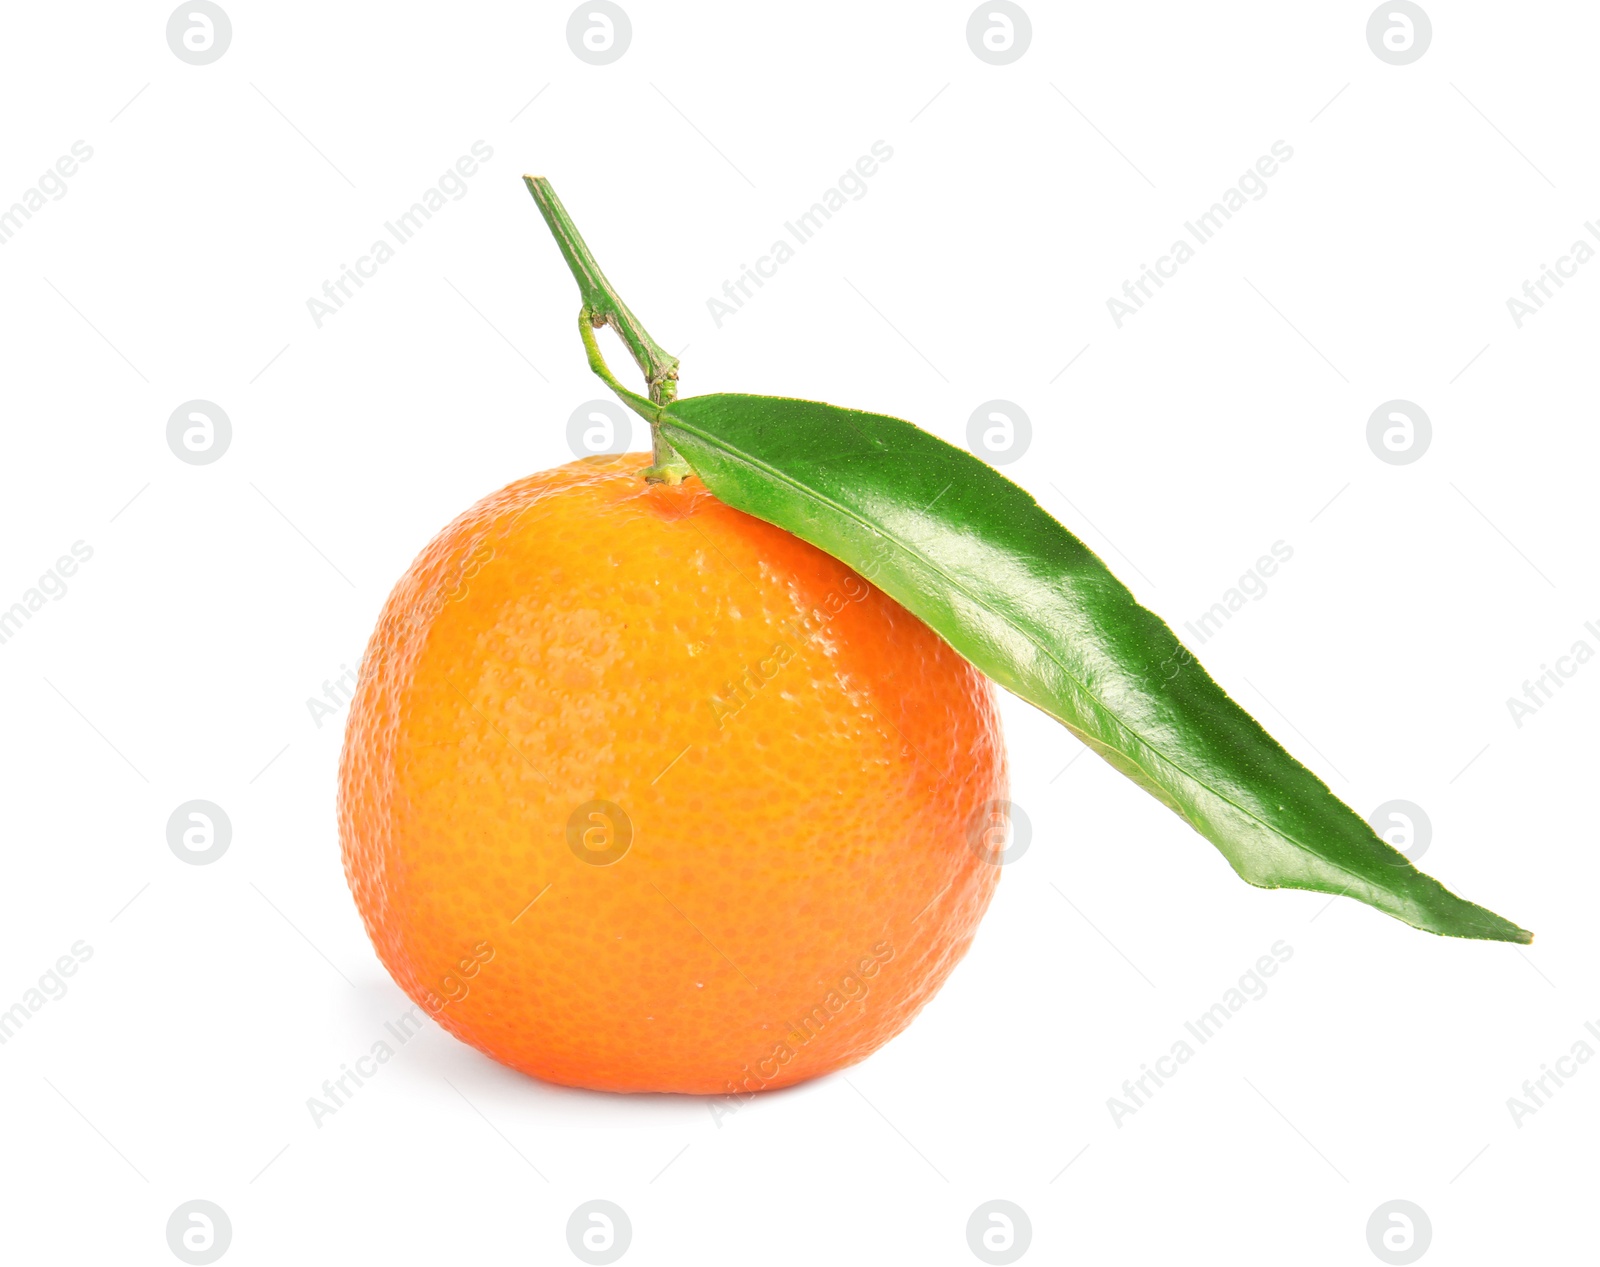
[602,306]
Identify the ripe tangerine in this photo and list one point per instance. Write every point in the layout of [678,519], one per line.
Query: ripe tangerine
[641,793]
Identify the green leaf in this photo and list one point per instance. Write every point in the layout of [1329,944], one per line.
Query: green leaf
[1019,596]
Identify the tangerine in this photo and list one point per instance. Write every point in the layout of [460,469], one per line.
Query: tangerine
[641,793]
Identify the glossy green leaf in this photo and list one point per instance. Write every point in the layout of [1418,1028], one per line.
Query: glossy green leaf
[1024,600]
[1018,595]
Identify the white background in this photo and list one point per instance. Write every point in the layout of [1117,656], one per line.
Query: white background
[1229,414]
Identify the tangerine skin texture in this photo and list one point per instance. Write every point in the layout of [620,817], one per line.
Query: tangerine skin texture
[806,767]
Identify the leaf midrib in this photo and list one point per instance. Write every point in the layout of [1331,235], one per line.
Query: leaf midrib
[752,461]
